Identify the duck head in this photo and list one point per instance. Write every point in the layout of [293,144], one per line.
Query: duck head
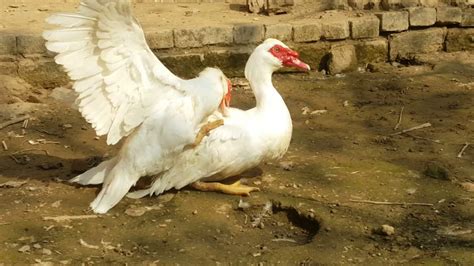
[276,54]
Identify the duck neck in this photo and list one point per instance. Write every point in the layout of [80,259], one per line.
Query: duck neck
[259,76]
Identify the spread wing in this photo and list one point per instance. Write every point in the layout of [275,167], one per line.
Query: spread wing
[117,77]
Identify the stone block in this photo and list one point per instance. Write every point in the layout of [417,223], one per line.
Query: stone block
[197,37]
[335,30]
[429,3]
[373,5]
[364,27]
[342,59]
[372,51]
[307,32]
[358,4]
[405,44]
[448,15]
[393,21]
[468,18]
[281,32]
[231,60]
[409,3]
[8,44]
[162,39]
[183,65]
[460,40]
[192,37]
[391,4]
[30,44]
[314,54]
[248,33]
[422,16]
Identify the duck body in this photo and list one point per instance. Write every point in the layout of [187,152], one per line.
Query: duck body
[246,139]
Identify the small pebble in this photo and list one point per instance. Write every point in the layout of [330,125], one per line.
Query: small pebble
[46,252]
[24,249]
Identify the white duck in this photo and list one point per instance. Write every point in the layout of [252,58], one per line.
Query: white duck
[247,137]
[124,90]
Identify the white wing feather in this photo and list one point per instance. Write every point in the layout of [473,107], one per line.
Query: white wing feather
[226,146]
[117,76]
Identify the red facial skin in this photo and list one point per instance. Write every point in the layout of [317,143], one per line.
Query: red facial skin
[288,57]
[227,97]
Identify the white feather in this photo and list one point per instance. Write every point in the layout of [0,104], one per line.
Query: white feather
[124,90]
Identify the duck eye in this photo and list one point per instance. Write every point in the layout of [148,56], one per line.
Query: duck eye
[277,49]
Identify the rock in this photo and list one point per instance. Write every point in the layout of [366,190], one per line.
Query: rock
[46,252]
[135,211]
[24,249]
[243,205]
[307,32]
[65,95]
[364,27]
[8,44]
[358,4]
[468,18]
[335,30]
[248,33]
[385,230]
[197,37]
[409,3]
[429,3]
[160,39]
[372,51]
[314,54]
[406,44]
[281,32]
[468,186]
[448,15]
[460,40]
[393,21]
[437,171]
[287,165]
[342,59]
[422,16]
[391,4]
[30,44]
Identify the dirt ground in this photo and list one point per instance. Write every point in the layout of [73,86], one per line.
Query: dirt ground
[309,210]
[28,16]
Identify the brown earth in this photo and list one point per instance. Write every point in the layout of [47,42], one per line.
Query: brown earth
[29,16]
[336,158]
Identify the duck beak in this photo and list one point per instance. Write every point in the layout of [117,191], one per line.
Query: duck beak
[293,60]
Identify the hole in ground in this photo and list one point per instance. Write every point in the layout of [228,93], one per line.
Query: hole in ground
[280,225]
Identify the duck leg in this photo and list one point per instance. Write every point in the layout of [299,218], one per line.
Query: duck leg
[233,189]
[204,131]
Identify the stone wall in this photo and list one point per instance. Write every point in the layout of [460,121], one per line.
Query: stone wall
[335,45]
